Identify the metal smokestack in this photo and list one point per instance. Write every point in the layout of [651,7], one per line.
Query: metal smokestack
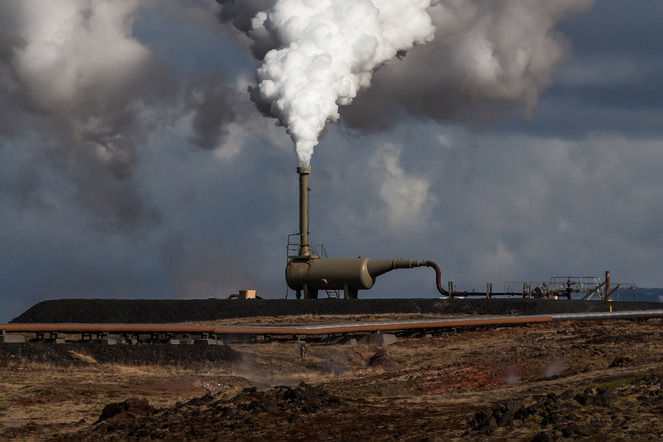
[304,249]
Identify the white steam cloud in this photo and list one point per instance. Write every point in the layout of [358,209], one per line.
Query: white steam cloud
[317,55]
[73,52]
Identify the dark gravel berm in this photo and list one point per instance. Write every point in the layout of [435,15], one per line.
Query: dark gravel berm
[172,311]
[184,356]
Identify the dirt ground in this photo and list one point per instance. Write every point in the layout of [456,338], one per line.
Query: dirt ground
[597,380]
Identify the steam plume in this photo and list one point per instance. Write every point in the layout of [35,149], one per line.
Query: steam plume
[488,57]
[317,55]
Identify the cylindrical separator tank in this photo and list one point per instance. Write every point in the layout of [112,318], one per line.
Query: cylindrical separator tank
[347,274]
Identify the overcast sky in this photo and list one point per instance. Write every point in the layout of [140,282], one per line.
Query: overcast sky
[525,141]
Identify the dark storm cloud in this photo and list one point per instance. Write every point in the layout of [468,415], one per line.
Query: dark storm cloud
[625,29]
[620,65]
[203,270]
[22,186]
[72,264]
[215,104]
[574,118]
[12,102]
[80,99]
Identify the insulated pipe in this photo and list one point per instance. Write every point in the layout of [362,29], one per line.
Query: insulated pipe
[377,267]
[324,329]
[107,328]
[364,327]
[638,314]
[277,330]
[304,249]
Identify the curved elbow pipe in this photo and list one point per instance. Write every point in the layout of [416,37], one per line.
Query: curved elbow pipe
[438,278]
[377,267]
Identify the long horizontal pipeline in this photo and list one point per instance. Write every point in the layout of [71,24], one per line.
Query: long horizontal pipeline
[359,327]
[273,330]
[635,314]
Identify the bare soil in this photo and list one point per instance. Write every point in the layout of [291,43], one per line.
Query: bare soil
[598,380]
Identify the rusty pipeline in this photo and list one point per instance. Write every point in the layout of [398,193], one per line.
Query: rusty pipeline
[323,329]
[327,329]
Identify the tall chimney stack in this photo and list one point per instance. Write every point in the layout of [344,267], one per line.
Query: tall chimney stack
[304,249]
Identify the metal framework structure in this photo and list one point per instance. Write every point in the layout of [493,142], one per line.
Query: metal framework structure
[557,287]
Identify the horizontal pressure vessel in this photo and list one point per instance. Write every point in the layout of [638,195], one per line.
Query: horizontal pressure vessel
[341,273]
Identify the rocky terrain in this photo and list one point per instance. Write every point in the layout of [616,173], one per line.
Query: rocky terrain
[597,380]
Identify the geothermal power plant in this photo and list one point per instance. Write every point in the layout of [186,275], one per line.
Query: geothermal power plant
[309,272]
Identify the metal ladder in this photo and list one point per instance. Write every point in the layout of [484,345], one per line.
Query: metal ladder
[331,294]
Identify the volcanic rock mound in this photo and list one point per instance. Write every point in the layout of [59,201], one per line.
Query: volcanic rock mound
[172,311]
[211,417]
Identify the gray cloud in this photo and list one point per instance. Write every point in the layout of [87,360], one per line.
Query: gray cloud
[627,30]
[77,84]
[214,103]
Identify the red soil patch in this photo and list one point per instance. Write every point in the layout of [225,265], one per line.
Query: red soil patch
[464,378]
[184,389]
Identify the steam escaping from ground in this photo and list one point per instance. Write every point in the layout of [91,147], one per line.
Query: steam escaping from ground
[554,369]
[317,55]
